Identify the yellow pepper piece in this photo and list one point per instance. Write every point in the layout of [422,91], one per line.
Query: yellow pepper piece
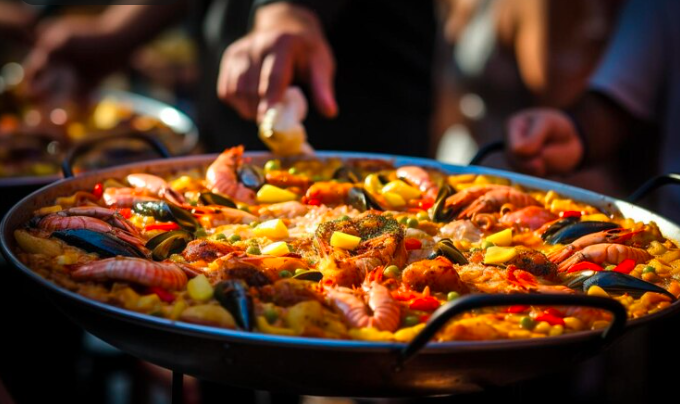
[344,240]
[499,255]
[370,334]
[273,229]
[47,210]
[267,328]
[276,249]
[200,288]
[407,334]
[503,238]
[395,200]
[372,183]
[403,189]
[597,291]
[37,245]
[596,217]
[271,194]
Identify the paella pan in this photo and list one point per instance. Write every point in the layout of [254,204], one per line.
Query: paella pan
[352,256]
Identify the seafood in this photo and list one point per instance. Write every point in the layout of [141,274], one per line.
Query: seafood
[530,217]
[103,244]
[362,200]
[171,242]
[489,279]
[438,274]
[616,235]
[167,212]
[461,230]
[166,275]
[57,221]
[109,215]
[329,193]
[420,178]
[575,230]
[381,312]
[284,179]
[605,253]
[206,250]
[156,185]
[233,296]
[288,209]
[222,176]
[492,201]
[535,263]
[125,197]
[457,201]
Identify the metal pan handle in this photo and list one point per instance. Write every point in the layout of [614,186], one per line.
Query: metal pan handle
[654,183]
[484,151]
[477,301]
[84,147]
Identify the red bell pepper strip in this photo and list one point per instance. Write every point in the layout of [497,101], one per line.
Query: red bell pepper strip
[313,202]
[424,318]
[413,244]
[426,303]
[550,319]
[585,266]
[162,294]
[404,295]
[570,213]
[125,212]
[425,204]
[554,312]
[98,190]
[625,266]
[162,226]
[517,309]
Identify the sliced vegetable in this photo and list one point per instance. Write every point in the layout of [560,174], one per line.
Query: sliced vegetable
[570,213]
[274,229]
[200,288]
[394,199]
[550,319]
[403,189]
[271,194]
[276,249]
[503,238]
[164,295]
[37,245]
[585,266]
[98,190]
[499,255]
[162,226]
[344,240]
[412,244]
[425,303]
[625,266]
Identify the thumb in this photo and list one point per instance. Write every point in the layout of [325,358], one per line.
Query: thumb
[322,87]
[527,134]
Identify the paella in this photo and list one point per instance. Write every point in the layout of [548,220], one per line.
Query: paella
[346,249]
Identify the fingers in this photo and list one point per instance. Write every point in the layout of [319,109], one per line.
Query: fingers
[237,82]
[527,133]
[322,86]
[275,77]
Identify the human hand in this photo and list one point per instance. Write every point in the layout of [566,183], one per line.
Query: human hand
[543,141]
[286,42]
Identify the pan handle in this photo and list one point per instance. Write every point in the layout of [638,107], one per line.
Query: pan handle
[84,147]
[484,151]
[477,301]
[654,183]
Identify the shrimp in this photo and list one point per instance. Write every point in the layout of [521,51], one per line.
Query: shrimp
[284,179]
[166,275]
[492,201]
[109,215]
[206,250]
[56,222]
[530,217]
[255,270]
[125,197]
[491,279]
[461,230]
[221,176]
[606,253]
[290,209]
[382,311]
[329,193]
[157,186]
[437,274]
[617,236]
[420,178]
[463,198]
[213,216]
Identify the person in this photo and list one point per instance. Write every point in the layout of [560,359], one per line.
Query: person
[634,93]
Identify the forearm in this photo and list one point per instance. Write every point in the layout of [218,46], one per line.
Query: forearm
[326,11]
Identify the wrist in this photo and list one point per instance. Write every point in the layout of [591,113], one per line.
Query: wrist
[286,16]
[581,137]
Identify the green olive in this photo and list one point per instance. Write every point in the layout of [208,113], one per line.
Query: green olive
[452,296]
[410,321]
[527,323]
[392,272]
[285,274]
[253,250]
[413,223]
[234,238]
[220,236]
[272,165]
[649,269]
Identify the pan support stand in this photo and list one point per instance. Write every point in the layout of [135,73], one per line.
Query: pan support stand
[177,387]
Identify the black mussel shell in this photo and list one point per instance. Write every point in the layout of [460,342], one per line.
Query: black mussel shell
[233,295]
[250,275]
[362,200]
[440,213]
[170,242]
[347,174]
[618,283]
[314,276]
[210,198]
[445,248]
[168,212]
[103,244]
[559,225]
[577,230]
[251,176]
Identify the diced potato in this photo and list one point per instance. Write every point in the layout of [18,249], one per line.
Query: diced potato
[276,249]
[407,334]
[149,303]
[461,179]
[36,245]
[370,334]
[670,256]
[597,291]
[344,240]
[304,315]
[403,189]
[271,194]
[200,288]
[274,229]
[395,200]
[372,183]
[208,314]
[499,255]
[503,238]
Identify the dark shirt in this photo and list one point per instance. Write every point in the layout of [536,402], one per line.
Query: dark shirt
[384,54]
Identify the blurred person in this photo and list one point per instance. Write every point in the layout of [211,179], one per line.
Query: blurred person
[16,21]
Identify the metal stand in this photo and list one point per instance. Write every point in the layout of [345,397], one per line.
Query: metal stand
[177,387]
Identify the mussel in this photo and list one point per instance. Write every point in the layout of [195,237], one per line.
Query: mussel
[362,200]
[167,212]
[314,276]
[210,198]
[103,244]
[170,242]
[617,283]
[233,295]
[251,176]
[347,174]
[440,213]
[445,248]
[559,225]
[251,275]
[571,232]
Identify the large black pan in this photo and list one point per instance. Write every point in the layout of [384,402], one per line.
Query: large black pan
[328,367]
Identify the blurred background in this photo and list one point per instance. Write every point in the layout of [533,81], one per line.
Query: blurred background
[490,59]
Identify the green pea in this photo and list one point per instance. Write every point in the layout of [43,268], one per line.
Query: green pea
[410,321]
[234,238]
[253,250]
[609,267]
[253,242]
[487,244]
[403,220]
[272,165]
[423,216]
[300,271]
[344,217]
[271,315]
[452,296]
[254,223]
[200,233]
[220,236]
[527,323]
[285,274]
[413,223]
[392,272]
[649,269]
[293,170]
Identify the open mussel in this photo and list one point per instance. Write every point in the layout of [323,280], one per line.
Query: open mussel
[167,212]
[103,244]
[440,213]
[445,248]
[577,230]
[559,225]
[314,276]
[210,198]
[233,295]
[362,200]
[347,174]
[170,242]
[251,176]
[616,283]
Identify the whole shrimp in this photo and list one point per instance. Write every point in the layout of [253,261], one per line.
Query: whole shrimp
[156,185]
[108,215]
[615,236]
[125,197]
[222,178]
[166,275]
[55,222]
[493,200]
[605,253]
[381,312]
[463,198]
